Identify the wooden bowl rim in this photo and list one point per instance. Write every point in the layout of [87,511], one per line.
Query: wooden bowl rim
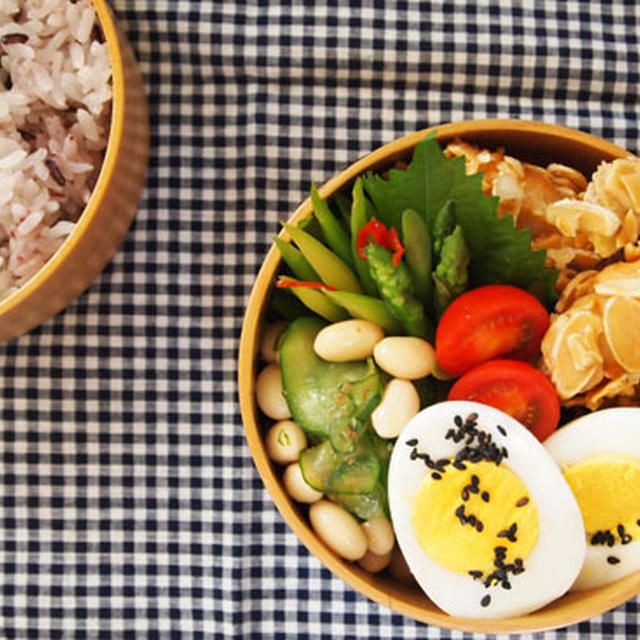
[106,171]
[574,607]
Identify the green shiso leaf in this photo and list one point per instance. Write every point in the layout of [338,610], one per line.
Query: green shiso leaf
[498,252]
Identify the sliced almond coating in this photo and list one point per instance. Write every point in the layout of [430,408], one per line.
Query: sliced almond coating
[619,279]
[614,185]
[628,231]
[539,190]
[631,252]
[589,302]
[621,318]
[569,173]
[577,287]
[562,257]
[610,365]
[604,246]
[571,216]
[631,183]
[623,386]
[616,193]
[571,354]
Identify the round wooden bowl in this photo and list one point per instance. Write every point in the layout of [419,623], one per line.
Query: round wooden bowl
[532,141]
[111,207]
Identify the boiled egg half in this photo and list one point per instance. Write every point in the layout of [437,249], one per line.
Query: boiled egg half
[599,455]
[484,518]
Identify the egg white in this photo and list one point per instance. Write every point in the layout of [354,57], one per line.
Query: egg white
[609,431]
[555,561]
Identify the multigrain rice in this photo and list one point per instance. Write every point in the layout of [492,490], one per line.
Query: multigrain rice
[55,108]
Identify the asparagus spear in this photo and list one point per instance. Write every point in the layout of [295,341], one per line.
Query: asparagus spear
[396,289]
[417,246]
[451,277]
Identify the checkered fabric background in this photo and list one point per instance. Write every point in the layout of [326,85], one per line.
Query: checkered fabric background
[130,505]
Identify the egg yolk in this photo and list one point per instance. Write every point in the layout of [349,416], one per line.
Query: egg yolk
[463,516]
[606,489]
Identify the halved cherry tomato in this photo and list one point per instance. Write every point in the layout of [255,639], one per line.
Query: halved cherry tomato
[516,388]
[490,322]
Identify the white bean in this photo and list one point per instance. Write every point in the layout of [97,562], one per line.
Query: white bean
[400,402]
[285,440]
[347,340]
[379,533]
[338,529]
[405,357]
[297,486]
[270,337]
[269,393]
[374,563]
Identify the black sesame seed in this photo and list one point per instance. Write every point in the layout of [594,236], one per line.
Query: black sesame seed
[459,511]
[475,574]
[412,443]
[14,38]
[485,601]
[479,526]
[436,476]
[501,430]
[613,560]
[458,421]
[54,172]
[460,466]
[472,417]
[26,135]
[474,479]
[620,530]
[465,494]
[506,584]
[485,496]
[522,502]
[472,520]
[626,539]
[474,488]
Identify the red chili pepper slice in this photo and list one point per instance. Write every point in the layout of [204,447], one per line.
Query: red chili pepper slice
[281,284]
[375,231]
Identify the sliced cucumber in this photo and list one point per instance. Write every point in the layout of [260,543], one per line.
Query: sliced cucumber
[365,505]
[327,399]
[318,464]
[382,449]
[355,474]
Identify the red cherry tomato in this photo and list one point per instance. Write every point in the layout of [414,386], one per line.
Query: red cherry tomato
[516,388]
[490,322]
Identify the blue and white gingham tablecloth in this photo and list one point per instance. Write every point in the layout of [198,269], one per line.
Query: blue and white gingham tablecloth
[130,506]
